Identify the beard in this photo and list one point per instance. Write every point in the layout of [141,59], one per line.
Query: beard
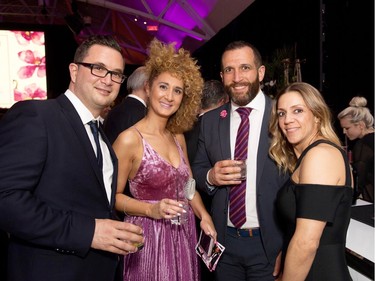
[243,99]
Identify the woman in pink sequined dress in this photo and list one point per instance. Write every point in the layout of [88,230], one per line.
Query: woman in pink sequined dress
[152,156]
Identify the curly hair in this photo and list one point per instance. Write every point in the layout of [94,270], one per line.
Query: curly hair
[280,149]
[180,64]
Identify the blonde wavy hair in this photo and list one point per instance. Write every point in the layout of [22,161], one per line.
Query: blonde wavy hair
[180,64]
[281,150]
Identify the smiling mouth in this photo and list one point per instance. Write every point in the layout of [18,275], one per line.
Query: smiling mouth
[166,105]
[291,130]
[104,91]
[239,86]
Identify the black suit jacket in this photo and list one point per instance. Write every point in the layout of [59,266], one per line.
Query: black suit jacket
[213,146]
[191,138]
[51,191]
[123,116]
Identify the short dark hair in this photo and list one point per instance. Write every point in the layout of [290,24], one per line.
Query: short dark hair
[213,92]
[241,44]
[104,40]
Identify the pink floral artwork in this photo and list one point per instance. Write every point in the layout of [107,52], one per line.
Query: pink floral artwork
[23,66]
[25,37]
[30,92]
[35,62]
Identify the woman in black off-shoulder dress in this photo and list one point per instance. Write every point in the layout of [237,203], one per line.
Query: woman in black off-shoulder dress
[314,206]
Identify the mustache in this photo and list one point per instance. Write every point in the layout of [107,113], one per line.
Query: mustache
[240,84]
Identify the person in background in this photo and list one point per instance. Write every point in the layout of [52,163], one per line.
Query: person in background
[213,96]
[250,233]
[104,113]
[315,204]
[153,158]
[358,124]
[57,186]
[133,107]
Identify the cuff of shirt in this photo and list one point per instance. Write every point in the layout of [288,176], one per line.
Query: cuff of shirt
[208,184]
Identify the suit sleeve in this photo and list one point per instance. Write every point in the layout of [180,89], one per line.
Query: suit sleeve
[202,163]
[23,149]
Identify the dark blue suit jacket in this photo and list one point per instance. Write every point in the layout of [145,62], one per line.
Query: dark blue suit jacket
[123,116]
[213,146]
[51,191]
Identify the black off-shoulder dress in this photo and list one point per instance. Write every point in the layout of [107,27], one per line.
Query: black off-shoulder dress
[324,203]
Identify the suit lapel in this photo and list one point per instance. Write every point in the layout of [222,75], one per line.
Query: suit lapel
[224,131]
[114,162]
[76,123]
[264,139]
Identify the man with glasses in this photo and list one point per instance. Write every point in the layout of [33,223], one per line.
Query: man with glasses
[100,71]
[58,177]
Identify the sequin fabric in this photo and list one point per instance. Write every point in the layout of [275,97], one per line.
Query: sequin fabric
[169,250]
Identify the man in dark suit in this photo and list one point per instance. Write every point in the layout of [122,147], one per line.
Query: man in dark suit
[131,109]
[58,179]
[253,246]
[213,96]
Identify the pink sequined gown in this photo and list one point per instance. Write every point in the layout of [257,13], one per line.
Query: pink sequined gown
[169,250]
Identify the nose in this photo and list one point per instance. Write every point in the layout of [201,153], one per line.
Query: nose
[288,118]
[344,131]
[169,95]
[107,79]
[237,75]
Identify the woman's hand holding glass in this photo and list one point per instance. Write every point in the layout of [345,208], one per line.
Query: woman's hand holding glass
[166,209]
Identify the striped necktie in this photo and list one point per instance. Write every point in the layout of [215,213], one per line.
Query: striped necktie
[237,195]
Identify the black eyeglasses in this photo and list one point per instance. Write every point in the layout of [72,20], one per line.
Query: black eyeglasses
[100,71]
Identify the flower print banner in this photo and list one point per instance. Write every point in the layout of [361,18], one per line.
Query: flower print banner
[22,67]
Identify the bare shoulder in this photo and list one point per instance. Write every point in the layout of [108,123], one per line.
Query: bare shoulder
[180,138]
[128,139]
[323,151]
[323,164]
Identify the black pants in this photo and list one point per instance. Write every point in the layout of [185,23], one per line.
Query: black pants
[244,259]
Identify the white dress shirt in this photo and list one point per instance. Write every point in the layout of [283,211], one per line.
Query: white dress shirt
[86,116]
[255,118]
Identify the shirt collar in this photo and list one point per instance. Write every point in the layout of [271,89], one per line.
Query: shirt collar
[256,104]
[137,98]
[85,114]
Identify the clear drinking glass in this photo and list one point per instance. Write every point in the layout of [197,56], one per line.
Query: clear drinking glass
[183,217]
[242,164]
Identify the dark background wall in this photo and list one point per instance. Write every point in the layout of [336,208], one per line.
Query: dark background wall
[335,37]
